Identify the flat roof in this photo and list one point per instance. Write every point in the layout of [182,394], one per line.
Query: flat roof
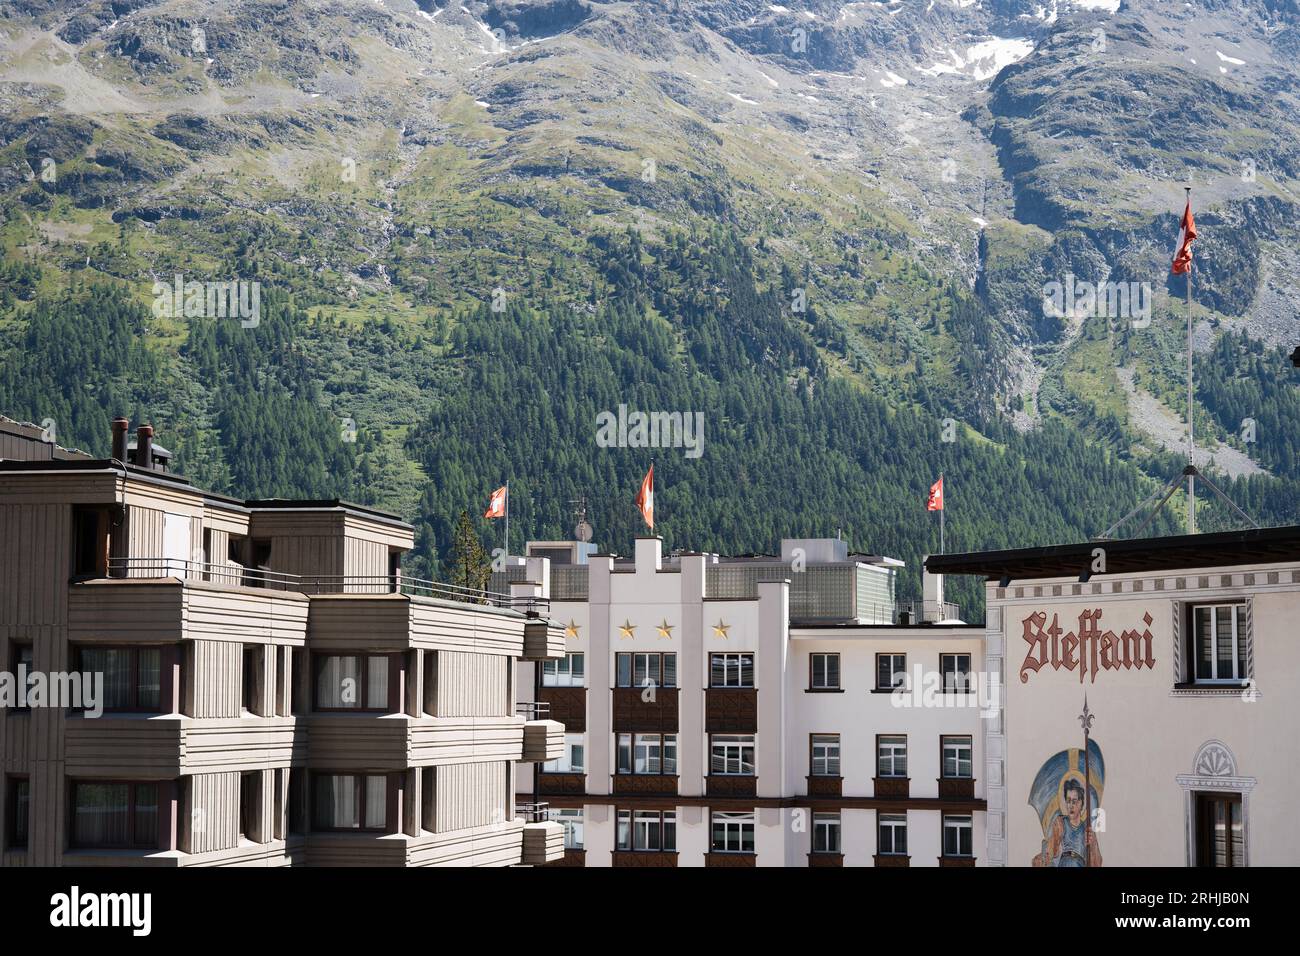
[1220,549]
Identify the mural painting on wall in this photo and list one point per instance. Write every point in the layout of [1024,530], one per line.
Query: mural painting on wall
[1068,808]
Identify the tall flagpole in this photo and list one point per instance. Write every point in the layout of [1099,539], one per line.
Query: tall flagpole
[507,518]
[1191,439]
[944,499]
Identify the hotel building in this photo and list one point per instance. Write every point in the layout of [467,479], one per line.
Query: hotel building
[1184,652]
[742,711]
[275,690]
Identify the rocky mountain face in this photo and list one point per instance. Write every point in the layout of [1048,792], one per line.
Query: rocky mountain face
[912,178]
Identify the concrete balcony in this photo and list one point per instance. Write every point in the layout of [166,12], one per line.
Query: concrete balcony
[169,745]
[397,742]
[391,623]
[543,738]
[134,610]
[543,839]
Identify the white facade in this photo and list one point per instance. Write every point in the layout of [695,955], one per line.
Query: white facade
[652,607]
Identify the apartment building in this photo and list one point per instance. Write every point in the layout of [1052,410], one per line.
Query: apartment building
[750,711]
[1180,655]
[274,690]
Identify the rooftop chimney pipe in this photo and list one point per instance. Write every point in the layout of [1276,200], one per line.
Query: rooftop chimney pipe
[144,447]
[120,426]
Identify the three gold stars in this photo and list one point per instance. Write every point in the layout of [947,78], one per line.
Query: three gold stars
[720,630]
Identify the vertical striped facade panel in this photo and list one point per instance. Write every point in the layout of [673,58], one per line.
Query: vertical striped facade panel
[367,560]
[473,685]
[213,811]
[144,531]
[469,795]
[35,561]
[217,677]
[308,556]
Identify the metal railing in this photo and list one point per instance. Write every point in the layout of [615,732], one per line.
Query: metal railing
[533,710]
[232,573]
[533,812]
[917,612]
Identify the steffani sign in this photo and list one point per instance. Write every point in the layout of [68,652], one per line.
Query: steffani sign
[1088,650]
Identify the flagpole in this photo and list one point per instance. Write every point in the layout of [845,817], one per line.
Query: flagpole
[1191,439]
[944,492]
[507,518]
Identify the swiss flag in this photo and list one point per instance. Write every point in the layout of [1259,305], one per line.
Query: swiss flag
[497,506]
[1186,233]
[935,501]
[645,499]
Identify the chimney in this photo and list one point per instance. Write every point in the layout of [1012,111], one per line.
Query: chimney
[120,426]
[932,595]
[144,447]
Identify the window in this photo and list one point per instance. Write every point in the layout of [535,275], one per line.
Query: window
[350,801]
[297,802]
[117,815]
[825,760]
[89,541]
[824,671]
[1219,643]
[956,756]
[826,833]
[1219,832]
[250,805]
[647,831]
[733,833]
[569,672]
[571,820]
[891,756]
[891,838]
[573,759]
[956,835]
[646,670]
[731,670]
[647,753]
[352,682]
[956,673]
[132,676]
[731,754]
[19,804]
[891,671]
[252,679]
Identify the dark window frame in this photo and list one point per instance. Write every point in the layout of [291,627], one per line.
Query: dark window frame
[633,772]
[135,841]
[970,743]
[906,775]
[661,825]
[890,820]
[12,841]
[965,674]
[812,755]
[164,705]
[631,656]
[894,672]
[1191,645]
[969,830]
[16,647]
[318,660]
[839,834]
[739,667]
[359,778]
[812,671]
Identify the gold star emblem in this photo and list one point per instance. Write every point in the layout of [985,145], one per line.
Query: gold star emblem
[571,631]
[665,630]
[625,630]
[720,630]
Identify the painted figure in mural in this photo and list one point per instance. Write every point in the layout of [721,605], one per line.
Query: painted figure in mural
[1062,805]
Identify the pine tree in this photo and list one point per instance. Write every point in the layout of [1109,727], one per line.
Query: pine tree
[471,568]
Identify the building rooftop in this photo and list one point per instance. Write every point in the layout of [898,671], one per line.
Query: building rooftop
[1221,549]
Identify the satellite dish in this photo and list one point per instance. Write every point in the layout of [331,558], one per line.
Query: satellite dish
[582,531]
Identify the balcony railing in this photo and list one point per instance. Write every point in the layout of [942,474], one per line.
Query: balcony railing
[537,812]
[233,573]
[917,612]
[533,710]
